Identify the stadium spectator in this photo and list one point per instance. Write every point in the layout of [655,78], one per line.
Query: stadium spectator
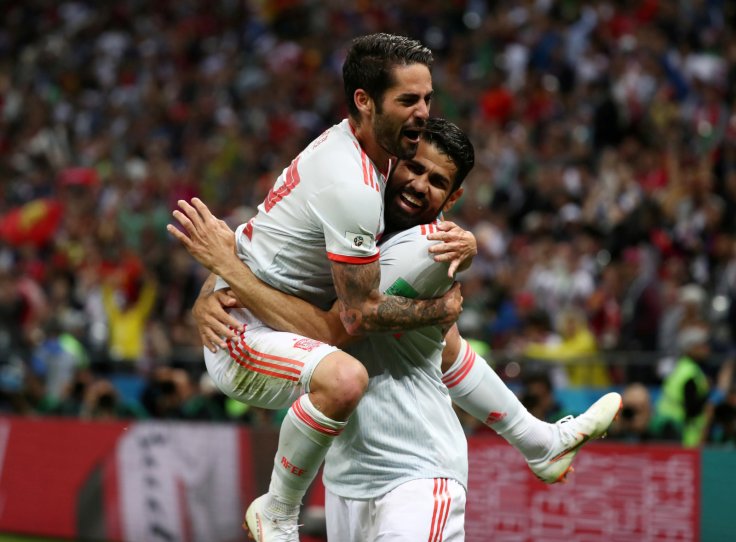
[626,113]
[635,423]
[685,391]
[577,350]
[539,399]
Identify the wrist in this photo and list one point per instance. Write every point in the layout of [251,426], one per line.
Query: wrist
[228,268]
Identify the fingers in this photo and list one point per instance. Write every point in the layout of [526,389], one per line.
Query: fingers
[447,225]
[227,300]
[208,344]
[442,236]
[453,268]
[447,256]
[446,246]
[202,209]
[215,334]
[179,235]
[191,212]
[191,217]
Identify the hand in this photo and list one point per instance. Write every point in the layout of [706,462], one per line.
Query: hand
[210,240]
[214,323]
[457,247]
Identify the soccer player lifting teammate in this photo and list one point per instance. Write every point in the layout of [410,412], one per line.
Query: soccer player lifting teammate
[315,237]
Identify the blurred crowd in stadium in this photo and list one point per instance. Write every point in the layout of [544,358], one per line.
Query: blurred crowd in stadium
[603,199]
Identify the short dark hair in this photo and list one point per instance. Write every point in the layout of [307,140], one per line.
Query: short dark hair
[451,141]
[370,60]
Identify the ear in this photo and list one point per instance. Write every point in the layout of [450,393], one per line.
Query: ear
[452,199]
[363,102]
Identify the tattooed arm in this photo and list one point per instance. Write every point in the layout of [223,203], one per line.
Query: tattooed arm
[364,309]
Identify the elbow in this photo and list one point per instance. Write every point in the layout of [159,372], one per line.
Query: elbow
[354,328]
[354,321]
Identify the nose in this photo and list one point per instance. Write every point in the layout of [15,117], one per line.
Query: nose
[420,184]
[422,110]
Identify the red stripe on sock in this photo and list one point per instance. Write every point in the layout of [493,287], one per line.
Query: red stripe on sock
[303,416]
[455,377]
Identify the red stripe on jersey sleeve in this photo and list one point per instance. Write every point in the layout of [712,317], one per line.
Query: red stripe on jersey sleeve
[359,260]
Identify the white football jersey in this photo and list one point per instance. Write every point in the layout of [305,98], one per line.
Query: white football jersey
[327,205]
[404,427]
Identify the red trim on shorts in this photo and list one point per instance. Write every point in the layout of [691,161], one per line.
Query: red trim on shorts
[243,354]
[455,377]
[242,361]
[256,369]
[255,352]
[359,260]
[302,415]
[441,532]
[441,511]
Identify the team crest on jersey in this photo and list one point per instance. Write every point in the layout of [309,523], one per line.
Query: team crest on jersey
[363,241]
[307,344]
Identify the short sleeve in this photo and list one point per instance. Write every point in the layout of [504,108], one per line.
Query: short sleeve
[409,270]
[351,216]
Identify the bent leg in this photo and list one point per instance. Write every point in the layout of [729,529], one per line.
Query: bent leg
[272,369]
[337,383]
[476,388]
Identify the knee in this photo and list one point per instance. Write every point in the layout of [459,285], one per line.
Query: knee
[337,386]
[350,383]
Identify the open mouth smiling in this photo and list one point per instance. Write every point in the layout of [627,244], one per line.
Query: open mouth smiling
[411,201]
[412,135]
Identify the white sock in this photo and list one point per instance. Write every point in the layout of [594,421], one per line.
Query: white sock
[306,435]
[478,390]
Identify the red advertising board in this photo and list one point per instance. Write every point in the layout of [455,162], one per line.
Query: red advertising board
[116,481]
[190,482]
[617,493]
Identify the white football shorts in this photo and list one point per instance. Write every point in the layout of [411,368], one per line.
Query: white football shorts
[263,367]
[419,510]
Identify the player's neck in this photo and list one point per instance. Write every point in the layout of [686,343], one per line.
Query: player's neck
[364,134]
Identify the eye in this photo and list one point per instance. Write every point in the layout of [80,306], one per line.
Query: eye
[439,182]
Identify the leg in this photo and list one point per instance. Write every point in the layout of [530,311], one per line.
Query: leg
[548,448]
[478,390]
[336,385]
[272,369]
[348,520]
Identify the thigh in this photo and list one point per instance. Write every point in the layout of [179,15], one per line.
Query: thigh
[263,367]
[427,509]
[348,520]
